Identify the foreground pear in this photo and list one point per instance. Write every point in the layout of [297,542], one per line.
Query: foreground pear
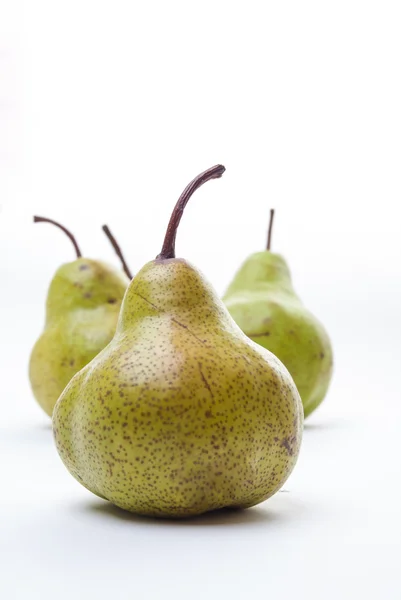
[262,301]
[82,309]
[181,413]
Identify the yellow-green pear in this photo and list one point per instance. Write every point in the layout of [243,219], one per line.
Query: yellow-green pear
[262,301]
[82,308]
[181,413]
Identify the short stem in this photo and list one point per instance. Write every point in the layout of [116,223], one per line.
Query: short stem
[68,233]
[117,250]
[168,250]
[269,235]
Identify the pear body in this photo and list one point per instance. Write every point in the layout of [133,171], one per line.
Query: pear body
[82,310]
[262,301]
[181,413]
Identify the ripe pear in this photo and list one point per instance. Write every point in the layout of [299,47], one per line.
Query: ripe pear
[181,413]
[82,309]
[262,301]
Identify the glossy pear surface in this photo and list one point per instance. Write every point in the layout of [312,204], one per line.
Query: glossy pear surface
[181,413]
[262,301]
[82,309]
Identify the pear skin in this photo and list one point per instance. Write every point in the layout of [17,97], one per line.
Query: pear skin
[262,301]
[181,413]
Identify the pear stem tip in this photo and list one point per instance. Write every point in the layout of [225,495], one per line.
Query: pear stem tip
[68,233]
[168,249]
[269,235]
[117,250]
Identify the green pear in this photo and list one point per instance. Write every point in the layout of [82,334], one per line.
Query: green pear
[262,301]
[181,413]
[82,308]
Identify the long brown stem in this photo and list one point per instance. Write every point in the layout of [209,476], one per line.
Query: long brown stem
[118,251]
[68,233]
[269,235]
[168,250]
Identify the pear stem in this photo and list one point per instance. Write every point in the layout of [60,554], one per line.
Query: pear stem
[117,250]
[168,250]
[68,233]
[269,235]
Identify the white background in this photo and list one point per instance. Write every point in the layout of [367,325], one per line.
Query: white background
[107,110]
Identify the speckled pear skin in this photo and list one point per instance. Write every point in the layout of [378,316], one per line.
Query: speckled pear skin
[181,413]
[262,301]
[82,309]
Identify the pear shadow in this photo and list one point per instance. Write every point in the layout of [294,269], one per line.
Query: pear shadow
[44,426]
[39,433]
[326,425]
[217,518]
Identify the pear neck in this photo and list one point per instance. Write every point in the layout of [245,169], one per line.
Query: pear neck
[265,268]
[84,284]
[170,287]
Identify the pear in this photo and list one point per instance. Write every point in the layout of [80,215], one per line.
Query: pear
[181,413]
[262,301]
[82,309]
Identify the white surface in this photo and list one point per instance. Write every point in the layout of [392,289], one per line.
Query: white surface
[107,110]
